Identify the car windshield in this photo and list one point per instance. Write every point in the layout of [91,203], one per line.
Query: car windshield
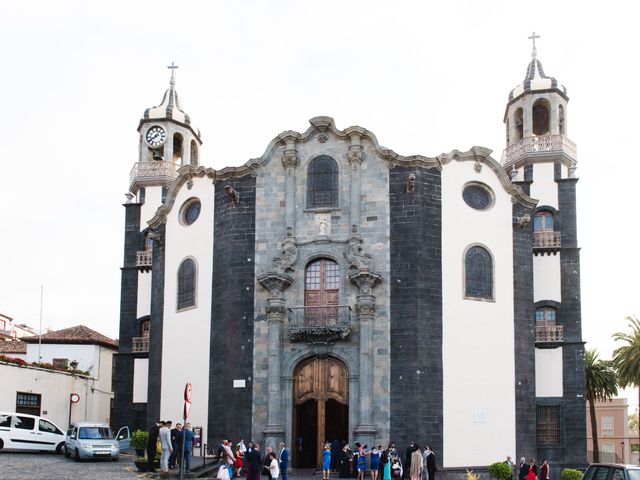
[633,474]
[96,433]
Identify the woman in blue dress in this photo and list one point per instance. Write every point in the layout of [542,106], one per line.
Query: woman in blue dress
[375,462]
[326,462]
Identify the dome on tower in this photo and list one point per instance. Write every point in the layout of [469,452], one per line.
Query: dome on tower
[536,81]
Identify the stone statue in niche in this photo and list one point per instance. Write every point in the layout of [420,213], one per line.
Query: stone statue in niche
[411,182]
[323,226]
[284,262]
[355,254]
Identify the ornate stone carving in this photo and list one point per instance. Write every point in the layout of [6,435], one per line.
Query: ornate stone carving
[323,137]
[366,280]
[275,282]
[523,221]
[411,182]
[283,263]
[290,160]
[477,166]
[320,335]
[355,156]
[276,311]
[514,173]
[355,254]
[233,194]
[366,309]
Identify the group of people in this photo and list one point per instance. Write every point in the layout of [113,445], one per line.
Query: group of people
[384,464]
[176,444]
[531,471]
[249,460]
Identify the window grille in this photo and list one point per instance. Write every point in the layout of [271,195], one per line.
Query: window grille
[322,182]
[28,403]
[187,284]
[478,273]
[549,425]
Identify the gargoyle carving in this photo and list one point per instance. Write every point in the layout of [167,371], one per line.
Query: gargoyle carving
[355,254]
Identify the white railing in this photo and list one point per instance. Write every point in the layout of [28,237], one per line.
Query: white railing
[156,170]
[539,144]
[550,334]
[546,239]
[140,344]
[144,258]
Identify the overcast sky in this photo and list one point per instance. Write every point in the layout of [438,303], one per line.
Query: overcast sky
[424,77]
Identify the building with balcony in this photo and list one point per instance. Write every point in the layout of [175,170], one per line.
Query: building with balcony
[335,289]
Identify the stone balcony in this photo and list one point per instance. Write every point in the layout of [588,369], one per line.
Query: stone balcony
[320,324]
[140,344]
[144,258]
[550,334]
[153,173]
[547,241]
[539,146]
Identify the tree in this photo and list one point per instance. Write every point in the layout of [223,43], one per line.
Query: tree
[626,359]
[601,384]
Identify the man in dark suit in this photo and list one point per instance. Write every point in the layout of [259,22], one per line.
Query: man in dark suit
[283,459]
[431,464]
[523,469]
[152,442]
[176,443]
[254,463]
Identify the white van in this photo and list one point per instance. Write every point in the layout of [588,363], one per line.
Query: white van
[29,432]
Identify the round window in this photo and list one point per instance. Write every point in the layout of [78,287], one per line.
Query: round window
[478,196]
[190,211]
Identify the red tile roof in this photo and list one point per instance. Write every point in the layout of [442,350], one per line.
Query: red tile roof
[14,346]
[78,334]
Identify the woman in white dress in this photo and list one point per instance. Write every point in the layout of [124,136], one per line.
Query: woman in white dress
[274,469]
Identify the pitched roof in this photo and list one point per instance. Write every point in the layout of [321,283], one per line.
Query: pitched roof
[14,346]
[76,335]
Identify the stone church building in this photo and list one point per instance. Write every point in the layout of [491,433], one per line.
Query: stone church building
[335,289]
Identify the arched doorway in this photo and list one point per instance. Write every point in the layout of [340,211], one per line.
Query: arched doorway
[320,408]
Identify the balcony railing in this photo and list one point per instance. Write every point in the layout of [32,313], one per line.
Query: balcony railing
[539,145]
[319,324]
[550,334]
[156,171]
[144,258]
[550,240]
[140,344]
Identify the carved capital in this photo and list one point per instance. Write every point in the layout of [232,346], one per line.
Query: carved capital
[366,309]
[365,279]
[276,312]
[355,156]
[290,160]
[275,282]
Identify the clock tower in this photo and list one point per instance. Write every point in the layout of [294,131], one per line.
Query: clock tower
[168,140]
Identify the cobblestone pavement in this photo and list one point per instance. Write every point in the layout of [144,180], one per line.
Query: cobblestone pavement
[47,466]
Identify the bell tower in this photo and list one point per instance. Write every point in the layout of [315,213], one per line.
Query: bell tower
[542,160]
[168,140]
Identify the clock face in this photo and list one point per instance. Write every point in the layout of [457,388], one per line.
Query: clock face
[155,136]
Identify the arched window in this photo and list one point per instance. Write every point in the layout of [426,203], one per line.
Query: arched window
[322,182]
[321,292]
[545,317]
[541,117]
[478,278]
[194,153]
[518,124]
[144,328]
[543,222]
[177,148]
[187,282]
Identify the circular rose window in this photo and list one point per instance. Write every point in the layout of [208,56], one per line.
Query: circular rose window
[478,196]
[190,211]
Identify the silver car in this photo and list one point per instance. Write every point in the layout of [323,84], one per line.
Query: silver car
[87,440]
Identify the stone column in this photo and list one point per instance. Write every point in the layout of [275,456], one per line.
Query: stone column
[289,162]
[355,157]
[354,405]
[287,406]
[366,280]
[276,313]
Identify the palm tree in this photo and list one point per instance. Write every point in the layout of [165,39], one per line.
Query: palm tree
[626,359]
[601,384]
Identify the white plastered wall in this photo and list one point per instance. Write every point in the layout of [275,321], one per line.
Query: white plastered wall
[549,372]
[144,294]
[140,380]
[544,188]
[546,277]
[186,333]
[478,336]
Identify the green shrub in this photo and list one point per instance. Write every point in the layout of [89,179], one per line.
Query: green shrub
[139,439]
[571,474]
[500,471]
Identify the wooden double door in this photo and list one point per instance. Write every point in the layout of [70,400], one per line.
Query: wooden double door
[321,408]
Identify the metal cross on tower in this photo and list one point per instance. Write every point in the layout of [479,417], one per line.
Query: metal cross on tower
[173,67]
[533,37]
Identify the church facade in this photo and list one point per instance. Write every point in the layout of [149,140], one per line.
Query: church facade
[335,289]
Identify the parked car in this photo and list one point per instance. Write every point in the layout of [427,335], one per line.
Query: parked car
[21,431]
[86,440]
[611,471]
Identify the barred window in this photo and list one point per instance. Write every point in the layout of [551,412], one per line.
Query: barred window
[28,403]
[187,284]
[478,273]
[549,425]
[322,182]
